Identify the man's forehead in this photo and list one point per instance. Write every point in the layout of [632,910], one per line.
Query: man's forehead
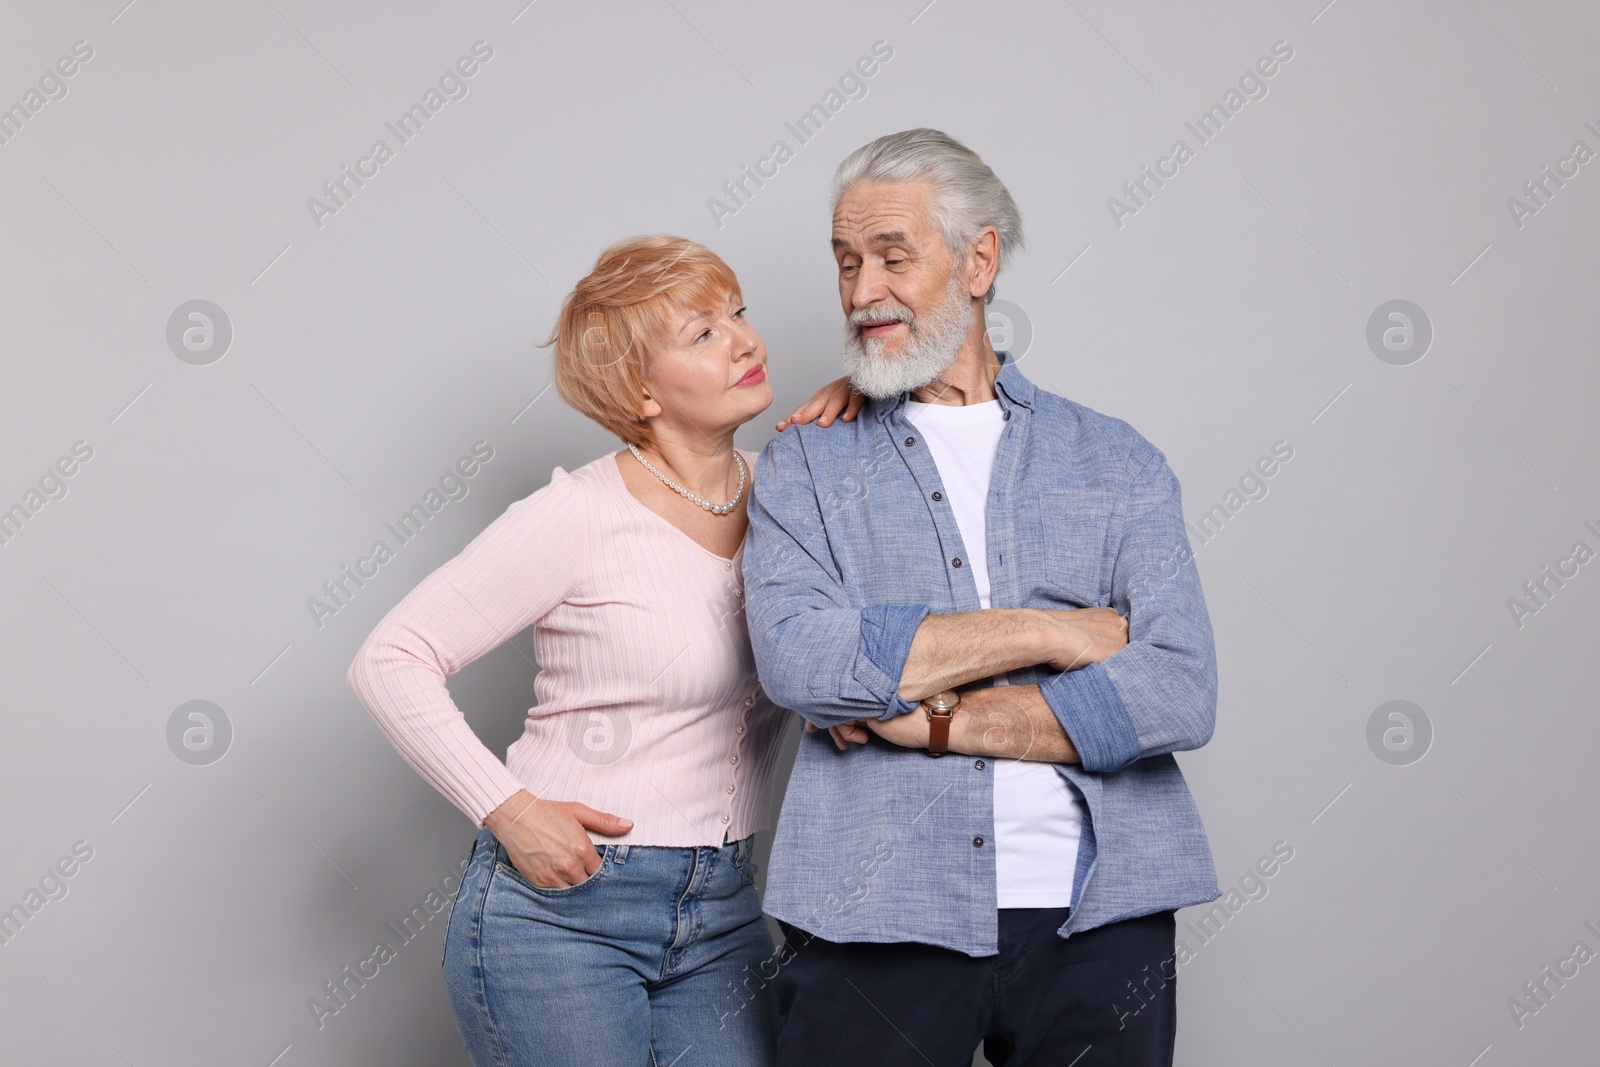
[882,213]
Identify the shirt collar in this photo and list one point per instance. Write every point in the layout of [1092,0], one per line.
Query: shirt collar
[1010,388]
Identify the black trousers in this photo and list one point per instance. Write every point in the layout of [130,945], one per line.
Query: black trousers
[1104,996]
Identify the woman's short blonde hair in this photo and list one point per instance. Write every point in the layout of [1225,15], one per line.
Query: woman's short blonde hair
[612,317]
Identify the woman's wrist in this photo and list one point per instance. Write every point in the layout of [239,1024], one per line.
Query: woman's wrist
[510,810]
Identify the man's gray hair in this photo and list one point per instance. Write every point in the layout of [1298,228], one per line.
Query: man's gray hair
[967,195]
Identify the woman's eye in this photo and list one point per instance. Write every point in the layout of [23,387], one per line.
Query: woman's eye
[702,335]
[740,313]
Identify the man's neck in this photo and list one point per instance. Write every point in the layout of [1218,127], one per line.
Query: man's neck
[970,379]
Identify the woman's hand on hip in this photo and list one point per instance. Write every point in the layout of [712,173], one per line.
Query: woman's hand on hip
[548,840]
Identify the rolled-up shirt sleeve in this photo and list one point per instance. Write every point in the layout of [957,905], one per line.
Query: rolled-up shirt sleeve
[1159,694]
[817,653]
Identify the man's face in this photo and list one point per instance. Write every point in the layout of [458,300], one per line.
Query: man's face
[894,266]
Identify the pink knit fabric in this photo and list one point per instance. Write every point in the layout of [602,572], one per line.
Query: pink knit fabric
[648,701]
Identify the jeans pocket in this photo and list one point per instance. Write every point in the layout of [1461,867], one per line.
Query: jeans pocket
[504,866]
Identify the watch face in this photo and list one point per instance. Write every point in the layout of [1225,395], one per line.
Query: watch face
[945,701]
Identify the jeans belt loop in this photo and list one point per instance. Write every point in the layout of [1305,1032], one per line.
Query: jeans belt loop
[619,853]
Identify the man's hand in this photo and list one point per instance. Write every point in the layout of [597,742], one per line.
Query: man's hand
[844,736]
[1083,636]
[908,731]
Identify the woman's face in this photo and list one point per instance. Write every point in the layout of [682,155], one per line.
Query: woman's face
[708,375]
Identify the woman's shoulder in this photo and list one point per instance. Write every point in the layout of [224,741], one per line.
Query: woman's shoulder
[597,474]
[570,491]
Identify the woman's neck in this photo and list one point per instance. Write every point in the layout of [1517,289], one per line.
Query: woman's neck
[704,465]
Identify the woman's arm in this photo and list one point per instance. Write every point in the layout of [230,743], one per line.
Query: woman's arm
[522,565]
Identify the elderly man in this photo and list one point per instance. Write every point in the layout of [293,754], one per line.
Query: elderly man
[981,570]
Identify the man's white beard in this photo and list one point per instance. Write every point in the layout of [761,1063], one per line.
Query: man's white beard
[934,342]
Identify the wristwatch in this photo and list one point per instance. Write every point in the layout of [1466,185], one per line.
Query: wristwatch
[941,708]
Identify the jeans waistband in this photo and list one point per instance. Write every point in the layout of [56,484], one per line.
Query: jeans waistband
[742,849]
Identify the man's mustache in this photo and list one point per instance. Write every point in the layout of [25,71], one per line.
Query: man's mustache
[861,316]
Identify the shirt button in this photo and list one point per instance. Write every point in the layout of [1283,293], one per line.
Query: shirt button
[731,788]
[733,759]
[739,729]
[938,495]
[911,440]
[979,765]
[956,562]
[724,817]
[748,701]
[727,565]
[1004,416]
[977,842]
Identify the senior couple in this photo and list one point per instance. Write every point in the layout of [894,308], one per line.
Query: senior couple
[955,581]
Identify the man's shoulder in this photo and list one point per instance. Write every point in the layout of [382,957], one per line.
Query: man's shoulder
[808,442]
[1091,434]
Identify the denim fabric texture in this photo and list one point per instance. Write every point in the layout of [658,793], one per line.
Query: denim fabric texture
[852,544]
[653,955]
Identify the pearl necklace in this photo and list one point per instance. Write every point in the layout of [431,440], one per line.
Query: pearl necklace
[715,509]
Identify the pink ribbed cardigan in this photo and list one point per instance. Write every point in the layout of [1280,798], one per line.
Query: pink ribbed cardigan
[648,705]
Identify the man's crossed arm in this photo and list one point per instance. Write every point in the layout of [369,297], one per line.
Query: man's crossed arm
[839,662]
[1008,722]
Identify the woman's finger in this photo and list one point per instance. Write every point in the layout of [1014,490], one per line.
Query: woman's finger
[853,408]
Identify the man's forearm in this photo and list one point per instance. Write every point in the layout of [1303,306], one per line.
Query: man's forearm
[952,650]
[1010,722]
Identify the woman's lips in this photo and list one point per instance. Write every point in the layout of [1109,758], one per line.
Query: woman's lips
[754,376]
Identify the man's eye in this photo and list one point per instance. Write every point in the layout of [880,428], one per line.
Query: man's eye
[847,270]
[894,262]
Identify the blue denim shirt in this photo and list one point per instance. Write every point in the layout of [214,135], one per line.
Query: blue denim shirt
[852,544]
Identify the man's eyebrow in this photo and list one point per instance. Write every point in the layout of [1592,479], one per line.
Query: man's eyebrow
[890,237]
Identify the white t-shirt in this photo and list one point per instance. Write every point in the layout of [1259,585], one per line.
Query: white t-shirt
[1037,819]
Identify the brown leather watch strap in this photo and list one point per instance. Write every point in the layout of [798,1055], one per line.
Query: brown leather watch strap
[940,708]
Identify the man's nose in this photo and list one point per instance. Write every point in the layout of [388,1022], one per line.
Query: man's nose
[871,287]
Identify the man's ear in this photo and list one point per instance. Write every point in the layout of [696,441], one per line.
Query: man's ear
[983,261]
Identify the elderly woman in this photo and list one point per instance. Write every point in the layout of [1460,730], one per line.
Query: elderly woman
[651,730]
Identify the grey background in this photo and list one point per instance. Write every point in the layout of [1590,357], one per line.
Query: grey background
[1229,313]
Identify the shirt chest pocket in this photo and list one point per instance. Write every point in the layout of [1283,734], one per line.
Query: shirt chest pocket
[1072,529]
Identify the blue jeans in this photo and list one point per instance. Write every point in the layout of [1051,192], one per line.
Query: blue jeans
[654,960]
